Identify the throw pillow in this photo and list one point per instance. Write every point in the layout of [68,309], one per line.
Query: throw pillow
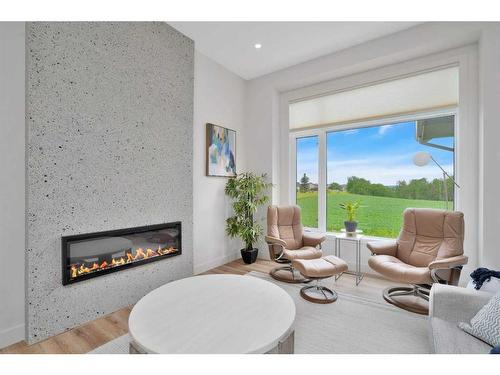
[495,350]
[485,325]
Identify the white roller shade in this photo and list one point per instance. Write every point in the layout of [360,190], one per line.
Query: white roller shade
[425,91]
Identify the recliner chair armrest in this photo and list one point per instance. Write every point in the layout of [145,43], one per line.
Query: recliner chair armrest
[275,241]
[383,247]
[313,239]
[459,260]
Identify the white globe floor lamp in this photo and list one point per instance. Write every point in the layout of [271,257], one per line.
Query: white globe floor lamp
[422,158]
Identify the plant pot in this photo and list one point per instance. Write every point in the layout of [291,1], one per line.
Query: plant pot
[350,226]
[249,256]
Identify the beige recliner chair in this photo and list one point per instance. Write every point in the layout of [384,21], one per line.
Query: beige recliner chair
[287,241]
[429,250]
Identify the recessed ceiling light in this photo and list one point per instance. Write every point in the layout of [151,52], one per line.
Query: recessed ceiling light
[258,46]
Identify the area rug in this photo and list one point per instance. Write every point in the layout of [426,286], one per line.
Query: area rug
[119,345]
[351,325]
[354,325]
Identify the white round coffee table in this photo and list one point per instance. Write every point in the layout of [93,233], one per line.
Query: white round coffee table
[214,314]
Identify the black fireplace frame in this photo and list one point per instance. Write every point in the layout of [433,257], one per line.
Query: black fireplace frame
[66,279]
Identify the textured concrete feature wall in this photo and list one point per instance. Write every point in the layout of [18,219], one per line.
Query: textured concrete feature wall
[109,114]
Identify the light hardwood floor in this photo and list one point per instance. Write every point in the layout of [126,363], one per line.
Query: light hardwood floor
[89,336]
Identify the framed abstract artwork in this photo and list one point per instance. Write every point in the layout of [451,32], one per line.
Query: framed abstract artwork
[221,151]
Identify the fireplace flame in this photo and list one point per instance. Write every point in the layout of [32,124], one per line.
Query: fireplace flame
[138,254]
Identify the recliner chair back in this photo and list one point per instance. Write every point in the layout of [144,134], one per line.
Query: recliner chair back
[284,222]
[430,234]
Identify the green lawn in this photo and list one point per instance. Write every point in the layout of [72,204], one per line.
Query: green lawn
[378,216]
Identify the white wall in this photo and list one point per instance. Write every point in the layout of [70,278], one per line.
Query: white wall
[12,182]
[219,98]
[489,94]
[265,93]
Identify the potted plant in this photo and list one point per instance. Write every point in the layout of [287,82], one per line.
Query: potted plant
[351,209]
[248,192]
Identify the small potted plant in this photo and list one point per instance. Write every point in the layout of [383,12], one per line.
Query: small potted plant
[351,209]
[248,192]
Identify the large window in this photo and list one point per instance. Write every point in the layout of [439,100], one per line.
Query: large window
[375,166]
[386,145]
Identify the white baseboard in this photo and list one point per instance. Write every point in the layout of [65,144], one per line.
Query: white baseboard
[11,335]
[205,266]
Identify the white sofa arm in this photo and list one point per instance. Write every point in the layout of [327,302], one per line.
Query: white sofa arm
[455,304]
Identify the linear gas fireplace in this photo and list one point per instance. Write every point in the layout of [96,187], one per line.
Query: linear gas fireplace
[89,255]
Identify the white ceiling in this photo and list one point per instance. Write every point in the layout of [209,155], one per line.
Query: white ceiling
[284,44]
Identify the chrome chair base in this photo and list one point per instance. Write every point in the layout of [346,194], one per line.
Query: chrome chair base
[421,291]
[288,274]
[318,294]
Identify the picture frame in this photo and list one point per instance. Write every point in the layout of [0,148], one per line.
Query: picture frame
[220,151]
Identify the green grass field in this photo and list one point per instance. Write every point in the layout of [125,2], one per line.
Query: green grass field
[378,216]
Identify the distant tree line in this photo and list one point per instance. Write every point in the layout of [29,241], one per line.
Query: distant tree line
[415,189]
[335,186]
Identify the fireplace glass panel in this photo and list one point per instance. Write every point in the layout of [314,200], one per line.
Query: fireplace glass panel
[94,254]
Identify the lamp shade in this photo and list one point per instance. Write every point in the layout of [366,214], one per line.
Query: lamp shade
[421,158]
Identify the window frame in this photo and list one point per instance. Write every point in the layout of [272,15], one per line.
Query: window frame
[322,132]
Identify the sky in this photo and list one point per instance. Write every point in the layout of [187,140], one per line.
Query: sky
[380,154]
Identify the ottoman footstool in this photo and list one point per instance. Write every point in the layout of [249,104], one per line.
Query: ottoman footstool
[317,269]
